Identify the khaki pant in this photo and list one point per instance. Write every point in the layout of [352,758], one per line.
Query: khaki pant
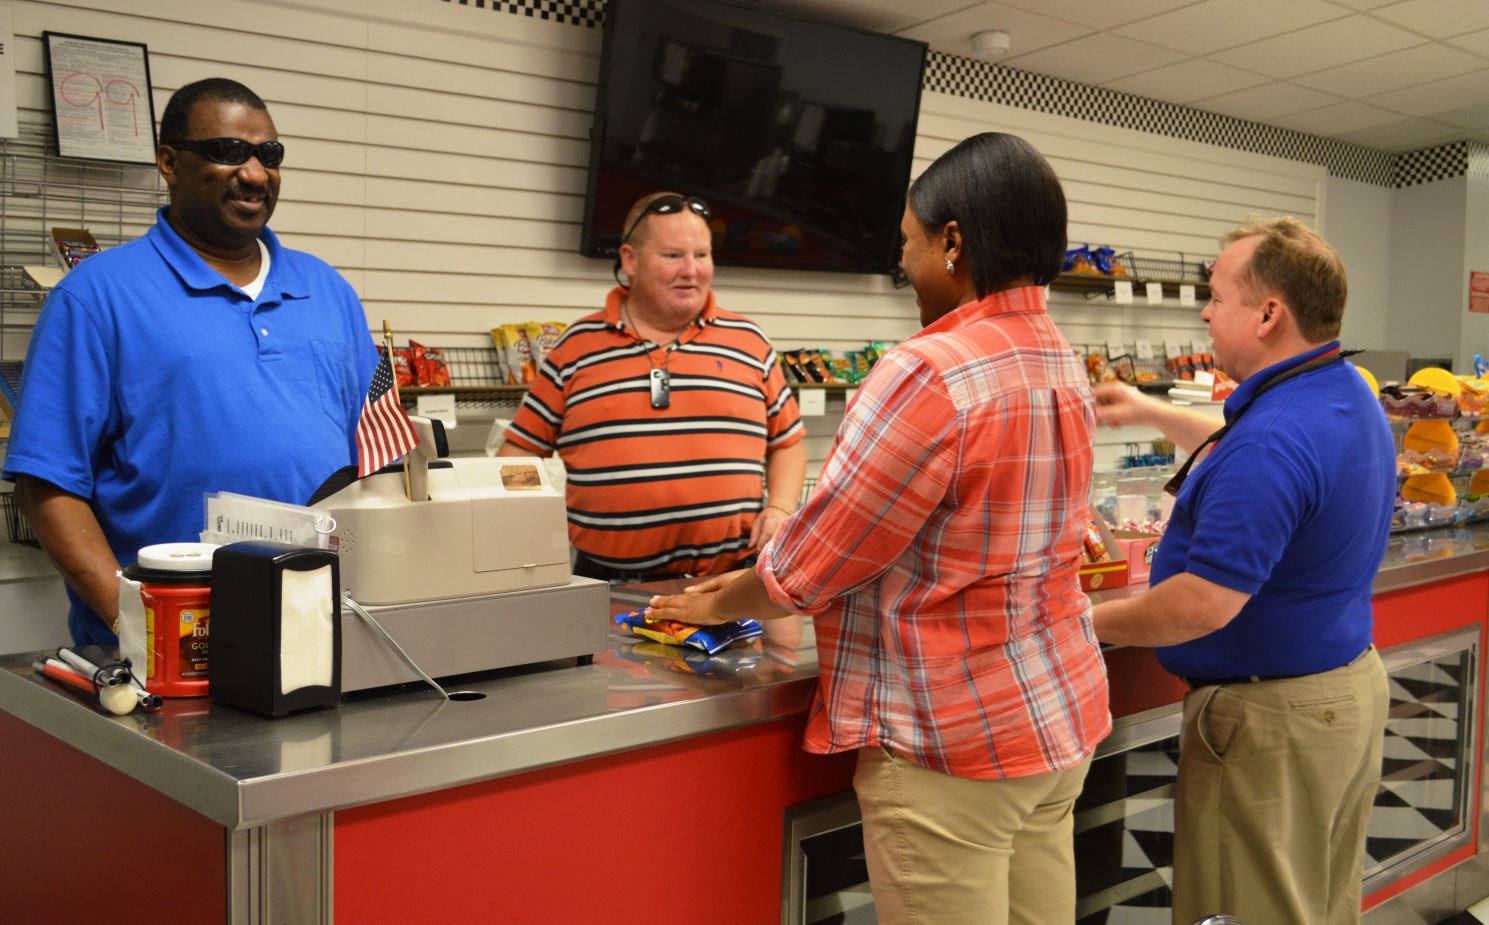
[947,850]
[1276,781]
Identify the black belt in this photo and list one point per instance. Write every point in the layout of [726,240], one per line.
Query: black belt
[1258,678]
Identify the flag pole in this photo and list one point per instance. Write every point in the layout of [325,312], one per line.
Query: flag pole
[408,488]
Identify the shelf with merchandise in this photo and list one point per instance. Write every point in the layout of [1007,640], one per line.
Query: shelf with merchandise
[1140,271]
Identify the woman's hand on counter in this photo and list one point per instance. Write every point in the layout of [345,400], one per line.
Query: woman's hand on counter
[698,603]
[718,599]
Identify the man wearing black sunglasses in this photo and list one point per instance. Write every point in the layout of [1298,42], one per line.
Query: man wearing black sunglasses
[667,412]
[203,356]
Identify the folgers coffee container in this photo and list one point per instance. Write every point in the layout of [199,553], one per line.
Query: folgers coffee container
[176,592]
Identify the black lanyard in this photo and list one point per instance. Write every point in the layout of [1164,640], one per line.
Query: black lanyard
[1334,356]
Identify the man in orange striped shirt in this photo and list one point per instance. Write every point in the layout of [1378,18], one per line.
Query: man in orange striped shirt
[669,413]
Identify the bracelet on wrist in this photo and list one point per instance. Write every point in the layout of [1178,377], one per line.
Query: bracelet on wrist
[779,508]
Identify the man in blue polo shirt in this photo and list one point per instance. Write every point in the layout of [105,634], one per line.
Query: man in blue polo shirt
[204,356]
[1260,594]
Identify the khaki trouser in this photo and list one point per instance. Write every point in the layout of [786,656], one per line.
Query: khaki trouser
[1276,781]
[947,850]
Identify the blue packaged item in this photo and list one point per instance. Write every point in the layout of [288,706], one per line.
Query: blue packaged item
[711,639]
[1102,257]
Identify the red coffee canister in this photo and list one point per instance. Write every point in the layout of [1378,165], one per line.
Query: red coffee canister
[176,590]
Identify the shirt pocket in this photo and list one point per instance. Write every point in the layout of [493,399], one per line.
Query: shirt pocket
[336,381]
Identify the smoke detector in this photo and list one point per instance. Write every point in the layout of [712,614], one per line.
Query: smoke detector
[990,44]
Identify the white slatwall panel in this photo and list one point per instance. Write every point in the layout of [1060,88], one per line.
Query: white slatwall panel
[437,157]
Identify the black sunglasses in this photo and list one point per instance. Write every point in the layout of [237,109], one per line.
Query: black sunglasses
[234,151]
[666,205]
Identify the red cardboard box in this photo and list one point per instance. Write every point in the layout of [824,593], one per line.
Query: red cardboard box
[1096,576]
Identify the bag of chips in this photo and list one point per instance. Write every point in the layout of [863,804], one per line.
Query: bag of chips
[518,351]
[403,370]
[430,368]
[711,639]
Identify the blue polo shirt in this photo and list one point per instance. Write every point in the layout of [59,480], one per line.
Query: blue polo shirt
[1292,506]
[151,380]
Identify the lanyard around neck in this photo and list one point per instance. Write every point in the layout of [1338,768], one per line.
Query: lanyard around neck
[1329,359]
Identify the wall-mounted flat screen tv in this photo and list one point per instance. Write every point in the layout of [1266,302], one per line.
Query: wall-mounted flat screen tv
[798,134]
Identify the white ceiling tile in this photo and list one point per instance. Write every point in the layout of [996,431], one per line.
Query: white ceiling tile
[952,33]
[1453,93]
[1405,135]
[1195,79]
[1340,117]
[1470,117]
[1267,102]
[1400,69]
[1215,24]
[1437,18]
[1317,47]
[1476,42]
[1102,15]
[1096,58]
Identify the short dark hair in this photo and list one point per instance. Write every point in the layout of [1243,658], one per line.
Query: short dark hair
[1293,261]
[1007,202]
[175,121]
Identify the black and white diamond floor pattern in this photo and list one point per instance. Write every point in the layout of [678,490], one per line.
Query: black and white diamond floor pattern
[1416,799]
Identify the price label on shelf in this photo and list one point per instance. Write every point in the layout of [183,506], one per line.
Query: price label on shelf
[1155,293]
[1144,349]
[1123,291]
[1114,347]
[1171,349]
[1186,296]
[441,407]
[813,402]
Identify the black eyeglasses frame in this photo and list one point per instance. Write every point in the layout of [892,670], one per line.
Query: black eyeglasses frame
[227,151]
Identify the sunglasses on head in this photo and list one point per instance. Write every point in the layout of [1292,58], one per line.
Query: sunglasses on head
[234,151]
[666,205]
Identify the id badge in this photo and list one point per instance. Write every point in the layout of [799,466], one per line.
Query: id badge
[661,389]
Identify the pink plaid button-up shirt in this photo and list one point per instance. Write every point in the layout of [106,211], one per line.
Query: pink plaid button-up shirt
[939,552]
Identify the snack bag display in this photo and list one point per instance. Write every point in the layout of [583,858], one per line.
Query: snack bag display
[1098,370]
[403,369]
[711,639]
[1078,260]
[499,341]
[430,368]
[518,351]
[548,335]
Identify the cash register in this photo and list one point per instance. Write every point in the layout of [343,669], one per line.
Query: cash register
[464,563]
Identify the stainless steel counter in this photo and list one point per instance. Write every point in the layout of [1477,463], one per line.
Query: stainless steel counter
[243,771]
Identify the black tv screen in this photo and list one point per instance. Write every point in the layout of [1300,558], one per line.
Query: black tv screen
[798,134]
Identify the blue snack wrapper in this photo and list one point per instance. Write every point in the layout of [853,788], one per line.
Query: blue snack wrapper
[710,639]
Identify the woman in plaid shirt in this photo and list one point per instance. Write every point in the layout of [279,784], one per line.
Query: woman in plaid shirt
[938,556]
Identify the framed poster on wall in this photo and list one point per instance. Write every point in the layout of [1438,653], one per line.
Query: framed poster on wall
[101,103]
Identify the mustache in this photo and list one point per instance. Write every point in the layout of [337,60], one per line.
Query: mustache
[242,189]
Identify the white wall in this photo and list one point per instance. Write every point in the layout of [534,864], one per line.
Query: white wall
[1428,224]
[437,155]
[1359,227]
[1474,330]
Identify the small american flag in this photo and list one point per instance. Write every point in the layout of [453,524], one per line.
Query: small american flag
[383,432]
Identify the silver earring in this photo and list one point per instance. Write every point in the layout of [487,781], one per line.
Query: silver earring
[950,267]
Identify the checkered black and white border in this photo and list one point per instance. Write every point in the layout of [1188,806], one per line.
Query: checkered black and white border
[1026,90]
[1441,162]
[587,13]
